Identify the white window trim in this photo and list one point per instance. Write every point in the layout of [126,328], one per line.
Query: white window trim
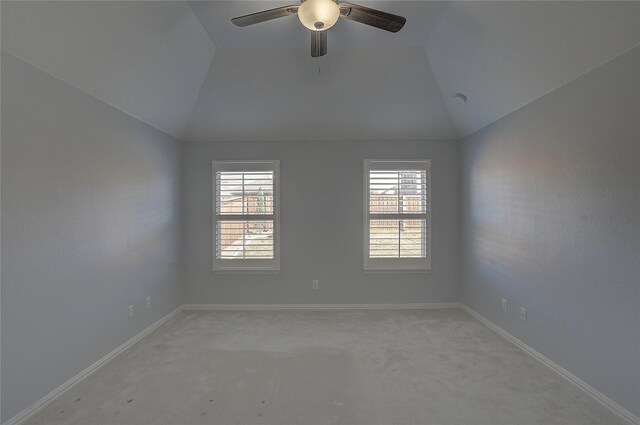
[402,265]
[244,265]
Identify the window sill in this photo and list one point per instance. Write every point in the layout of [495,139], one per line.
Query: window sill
[397,270]
[245,271]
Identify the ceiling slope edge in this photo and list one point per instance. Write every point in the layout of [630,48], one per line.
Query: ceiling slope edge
[504,55]
[66,83]
[594,69]
[146,59]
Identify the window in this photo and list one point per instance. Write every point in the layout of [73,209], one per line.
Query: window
[246,216]
[397,225]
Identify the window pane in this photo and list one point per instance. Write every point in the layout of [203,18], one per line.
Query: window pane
[244,192]
[412,238]
[397,192]
[397,238]
[248,239]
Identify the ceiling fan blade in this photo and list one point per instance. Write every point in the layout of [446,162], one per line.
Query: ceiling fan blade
[265,15]
[318,43]
[372,17]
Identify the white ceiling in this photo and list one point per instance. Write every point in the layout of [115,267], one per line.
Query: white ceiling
[186,70]
[285,94]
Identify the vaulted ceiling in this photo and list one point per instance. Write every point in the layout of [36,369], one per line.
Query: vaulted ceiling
[183,68]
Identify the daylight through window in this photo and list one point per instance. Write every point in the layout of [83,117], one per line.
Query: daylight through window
[245,222]
[397,214]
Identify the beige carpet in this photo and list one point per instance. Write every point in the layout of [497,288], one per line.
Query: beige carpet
[325,367]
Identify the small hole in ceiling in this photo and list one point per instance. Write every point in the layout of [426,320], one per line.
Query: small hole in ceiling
[461,97]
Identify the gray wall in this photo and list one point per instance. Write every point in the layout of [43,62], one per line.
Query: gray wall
[551,221]
[321,225]
[90,225]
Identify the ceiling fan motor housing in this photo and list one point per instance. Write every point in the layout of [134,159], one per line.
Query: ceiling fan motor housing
[318,15]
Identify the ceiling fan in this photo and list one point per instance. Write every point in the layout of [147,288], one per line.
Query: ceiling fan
[320,15]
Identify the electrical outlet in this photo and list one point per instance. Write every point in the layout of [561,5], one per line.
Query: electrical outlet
[315,284]
[148,303]
[130,311]
[523,314]
[505,305]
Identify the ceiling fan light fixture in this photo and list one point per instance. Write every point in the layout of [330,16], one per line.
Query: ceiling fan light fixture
[318,15]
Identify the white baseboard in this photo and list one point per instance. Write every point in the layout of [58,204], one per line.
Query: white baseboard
[597,395]
[317,306]
[36,407]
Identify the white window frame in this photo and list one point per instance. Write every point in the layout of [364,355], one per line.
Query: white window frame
[248,265]
[396,264]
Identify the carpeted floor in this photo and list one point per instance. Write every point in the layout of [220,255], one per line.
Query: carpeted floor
[437,366]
